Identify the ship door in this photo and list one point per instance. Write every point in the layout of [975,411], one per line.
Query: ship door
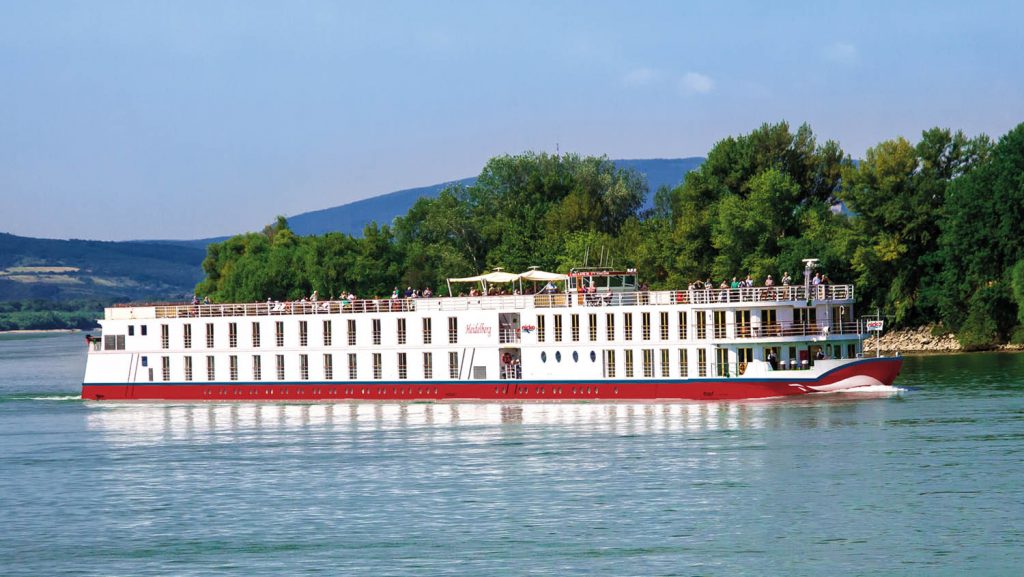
[508,328]
[510,364]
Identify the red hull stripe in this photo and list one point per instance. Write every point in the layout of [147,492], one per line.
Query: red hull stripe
[882,370]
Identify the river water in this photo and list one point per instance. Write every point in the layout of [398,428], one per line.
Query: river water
[927,480]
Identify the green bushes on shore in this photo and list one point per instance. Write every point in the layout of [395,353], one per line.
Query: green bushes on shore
[48,315]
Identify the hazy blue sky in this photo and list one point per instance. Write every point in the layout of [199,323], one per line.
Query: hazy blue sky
[132,119]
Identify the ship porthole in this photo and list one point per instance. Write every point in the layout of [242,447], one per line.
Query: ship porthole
[575,357]
[593,357]
[558,356]
[543,357]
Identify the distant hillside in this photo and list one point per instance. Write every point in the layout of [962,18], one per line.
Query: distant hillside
[352,217]
[33,268]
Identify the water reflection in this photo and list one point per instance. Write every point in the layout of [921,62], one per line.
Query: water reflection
[134,424]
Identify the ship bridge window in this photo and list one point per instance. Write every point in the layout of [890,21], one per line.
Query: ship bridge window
[113,342]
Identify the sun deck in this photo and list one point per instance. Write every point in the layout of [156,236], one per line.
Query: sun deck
[711,298]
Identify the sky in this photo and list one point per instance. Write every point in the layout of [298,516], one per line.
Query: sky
[182,120]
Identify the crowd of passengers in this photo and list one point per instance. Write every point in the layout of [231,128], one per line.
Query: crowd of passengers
[702,290]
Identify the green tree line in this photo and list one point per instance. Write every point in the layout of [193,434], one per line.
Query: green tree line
[46,315]
[928,231]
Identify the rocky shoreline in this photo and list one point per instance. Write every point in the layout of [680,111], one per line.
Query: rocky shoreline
[924,339]
[919,340]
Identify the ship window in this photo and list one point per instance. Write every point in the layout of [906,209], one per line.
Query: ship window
[187,336]
[145,361]
[593,356]
[682,325]
[629,362]
[233,367]
[378,371]
[232,334]
[453,365]
[664,326]
[327,333]
[427,337]
[131,330]
[257,368]
[428,365]
[719,324]
[188,368]
[683,363]
[648,362]
[721,362]
[666,362]
[609,364]
[543,357]
[143,329]
[376,331]
[328,367]
[592,318]
[558,356]
[304,367]
[453,330]
[403,370]
[575,357]
[303,333]
[209,335]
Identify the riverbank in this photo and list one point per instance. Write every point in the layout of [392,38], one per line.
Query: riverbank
[920,340]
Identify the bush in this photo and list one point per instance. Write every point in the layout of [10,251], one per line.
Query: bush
[990,316]
[1017,336]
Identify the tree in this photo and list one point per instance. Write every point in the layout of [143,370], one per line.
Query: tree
[981,242]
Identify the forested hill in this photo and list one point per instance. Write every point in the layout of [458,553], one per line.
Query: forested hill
[57,270]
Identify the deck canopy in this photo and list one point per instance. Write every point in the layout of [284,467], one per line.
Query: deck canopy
[542,276]
[498,276]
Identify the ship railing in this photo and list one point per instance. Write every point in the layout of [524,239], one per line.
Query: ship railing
[506,336]
[756,331]
[755,294]
[751,295]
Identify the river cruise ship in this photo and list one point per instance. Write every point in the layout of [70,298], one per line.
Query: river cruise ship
[586,336]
